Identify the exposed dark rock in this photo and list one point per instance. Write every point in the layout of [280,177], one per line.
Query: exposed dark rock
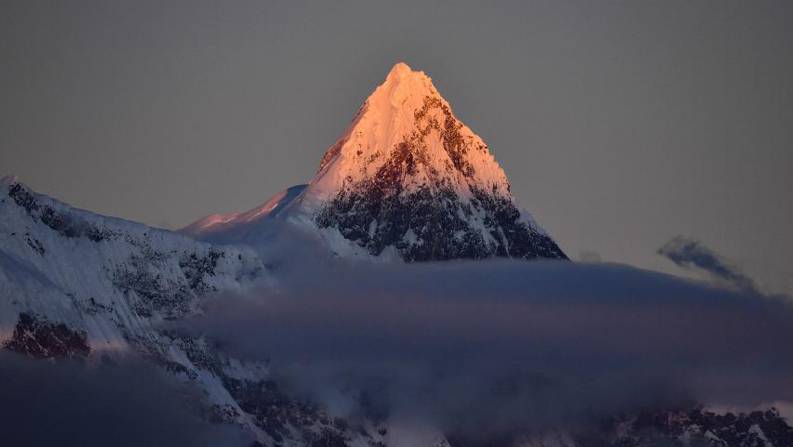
[64,224]
[693,427]
[38,338]
[273,409]
[92,307]
[35,244]
[165,295]
[195,266]
[430,222]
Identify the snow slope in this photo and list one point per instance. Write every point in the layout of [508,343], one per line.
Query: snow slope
[74,284]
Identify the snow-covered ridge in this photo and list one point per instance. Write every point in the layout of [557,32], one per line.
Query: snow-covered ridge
[77,284]
[223,222]
[108,277]
[74,284]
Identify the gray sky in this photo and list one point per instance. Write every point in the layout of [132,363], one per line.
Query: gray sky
[619,124]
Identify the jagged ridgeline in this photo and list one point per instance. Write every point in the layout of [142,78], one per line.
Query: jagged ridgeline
[82,287]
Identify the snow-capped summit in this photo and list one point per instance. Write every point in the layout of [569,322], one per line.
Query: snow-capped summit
[406,116]
[405,178]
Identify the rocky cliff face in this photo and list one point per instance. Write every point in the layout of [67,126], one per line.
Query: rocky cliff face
[695,426]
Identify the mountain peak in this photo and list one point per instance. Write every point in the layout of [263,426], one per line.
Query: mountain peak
[406,178]
[406,112]
[399,69]
[402,73]
[405,150]
[392,103]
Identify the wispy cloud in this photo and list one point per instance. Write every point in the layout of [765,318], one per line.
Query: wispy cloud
[692,254]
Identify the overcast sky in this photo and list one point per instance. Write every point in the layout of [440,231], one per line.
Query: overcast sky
[619,124]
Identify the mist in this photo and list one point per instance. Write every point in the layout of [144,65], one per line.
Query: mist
[124,403]
[691,254]
[489,348]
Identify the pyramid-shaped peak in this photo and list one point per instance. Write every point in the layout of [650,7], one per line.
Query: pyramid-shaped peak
[408,179]
[400,70]
[407,114]
[408,175]
[402,81]
[400,67]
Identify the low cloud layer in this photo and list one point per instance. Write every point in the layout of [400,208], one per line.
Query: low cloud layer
[690,254]
[488,348]
[129,404]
